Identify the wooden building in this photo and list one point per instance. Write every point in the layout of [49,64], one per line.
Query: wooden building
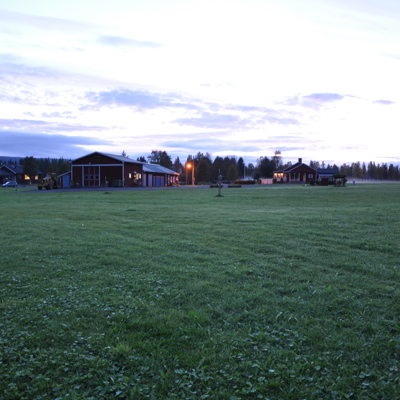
[16,173]
[296,173]
[106,170]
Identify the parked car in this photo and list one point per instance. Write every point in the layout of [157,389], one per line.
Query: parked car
[10,184]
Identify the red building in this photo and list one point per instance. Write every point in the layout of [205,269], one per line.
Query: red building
[296,173]
[102,170]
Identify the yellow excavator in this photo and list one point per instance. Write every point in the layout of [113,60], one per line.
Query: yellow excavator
[49,182]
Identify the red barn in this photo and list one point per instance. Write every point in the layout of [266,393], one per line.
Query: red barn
[102,169]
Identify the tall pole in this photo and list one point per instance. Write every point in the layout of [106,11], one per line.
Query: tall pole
[193,172]
[219,183]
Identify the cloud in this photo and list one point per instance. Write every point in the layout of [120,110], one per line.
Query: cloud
[229,121]
[10,65]
[64,114]
[384,102]
[141,100]
[45,145]
[41,22]
[214,120]
[314,100]
[213,143]
[248,108]
[118,41]
[37,126]
[280,121]
[323,97]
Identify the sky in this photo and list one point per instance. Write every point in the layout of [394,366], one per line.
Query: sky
[316,79]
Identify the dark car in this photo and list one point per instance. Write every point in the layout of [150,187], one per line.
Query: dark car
[10,184]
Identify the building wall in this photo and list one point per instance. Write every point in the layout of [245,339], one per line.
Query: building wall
[90,173]
[133,174]
[97,170]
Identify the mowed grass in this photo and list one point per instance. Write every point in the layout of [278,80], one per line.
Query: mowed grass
[282,292]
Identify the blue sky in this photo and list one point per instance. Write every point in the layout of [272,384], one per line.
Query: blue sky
[317,79]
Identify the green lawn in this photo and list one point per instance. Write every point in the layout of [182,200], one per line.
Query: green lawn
[277,292]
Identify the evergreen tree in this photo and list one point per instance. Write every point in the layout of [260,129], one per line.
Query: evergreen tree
[232,172]
[357,171]
[265,168]
[364,170]
[250,169]
[277,160]
[160,157]
[314,164]
[241,167]
[202,171]
[30,167]
[217,167]
[177,166]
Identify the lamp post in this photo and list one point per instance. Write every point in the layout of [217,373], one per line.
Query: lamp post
[187,165]
[190,166]
[193,173]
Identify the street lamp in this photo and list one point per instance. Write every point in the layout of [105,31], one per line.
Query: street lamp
[190,166]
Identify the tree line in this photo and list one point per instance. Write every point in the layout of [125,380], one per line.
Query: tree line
[32,166]
[371,170]
[207,169]
[231,167]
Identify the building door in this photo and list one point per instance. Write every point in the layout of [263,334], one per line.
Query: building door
[157,181]
[91,176]
[66,181]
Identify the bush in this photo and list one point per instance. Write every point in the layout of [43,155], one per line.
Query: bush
[244,182]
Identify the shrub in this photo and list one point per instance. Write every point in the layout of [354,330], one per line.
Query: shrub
[244,182]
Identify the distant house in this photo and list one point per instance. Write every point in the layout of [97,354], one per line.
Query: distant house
[325,175]
[16,173]
[296,173]
[103,169]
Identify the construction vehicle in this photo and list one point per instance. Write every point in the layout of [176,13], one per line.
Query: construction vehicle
[49,182]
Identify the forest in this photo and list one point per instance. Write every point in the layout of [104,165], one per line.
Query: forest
[207,168]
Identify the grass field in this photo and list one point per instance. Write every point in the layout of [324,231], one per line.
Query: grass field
[278,292]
